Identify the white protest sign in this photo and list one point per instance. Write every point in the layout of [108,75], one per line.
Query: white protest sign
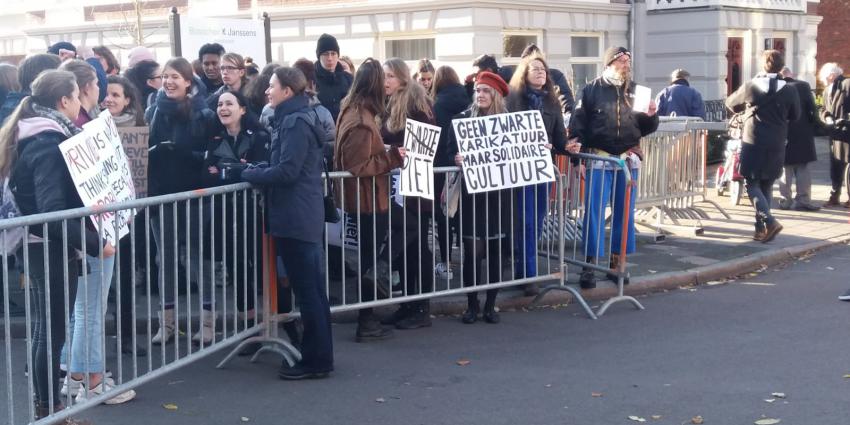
[101,173]
[504,151]
[244,36]
[643,95]
[345,231]
[417,173]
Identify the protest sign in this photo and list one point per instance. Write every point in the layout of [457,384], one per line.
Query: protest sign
[504,151]
[101,173]
[417,173]
[135,142]
[245,36]
[643,96]
[343,232]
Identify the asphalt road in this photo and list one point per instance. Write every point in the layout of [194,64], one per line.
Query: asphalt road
[715,351]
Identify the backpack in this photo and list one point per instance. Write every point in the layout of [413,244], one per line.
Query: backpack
[10,239]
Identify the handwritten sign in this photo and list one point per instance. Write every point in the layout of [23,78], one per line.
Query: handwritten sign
[417,173]
[504,151]
[135,142]
[101,173]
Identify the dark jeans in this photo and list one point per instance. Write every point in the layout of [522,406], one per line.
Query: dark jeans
[761,193]
[304,265]
[839,173]
[48,292]
[448,229]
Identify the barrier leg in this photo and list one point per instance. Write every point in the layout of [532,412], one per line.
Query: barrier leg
[620,297]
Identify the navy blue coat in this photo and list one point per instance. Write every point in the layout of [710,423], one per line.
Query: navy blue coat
[681,100]
[293,177]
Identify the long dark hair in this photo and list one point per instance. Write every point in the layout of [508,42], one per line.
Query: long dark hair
[519,83]
[130,92]
[367,90]
[256,89]
[248,121]
[139,76]
[444,76]
[111,61]
[184,68]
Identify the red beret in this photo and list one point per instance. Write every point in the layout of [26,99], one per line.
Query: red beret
[492,80]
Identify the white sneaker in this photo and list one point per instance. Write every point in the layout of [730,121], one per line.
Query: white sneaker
[71,385]
[443,271]
[106,385]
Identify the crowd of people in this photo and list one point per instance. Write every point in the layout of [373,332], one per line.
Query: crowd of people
[219,119]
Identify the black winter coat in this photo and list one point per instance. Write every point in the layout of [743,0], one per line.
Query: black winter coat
[836,105]
[559,80]
[604,118]
[41,183]
[450,101]
[226,152]
[801,133]
[332,87]
[293,176]
[765,132]
[553,121]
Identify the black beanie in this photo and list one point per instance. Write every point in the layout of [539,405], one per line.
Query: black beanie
[61,45]
[326,43]
[614,53]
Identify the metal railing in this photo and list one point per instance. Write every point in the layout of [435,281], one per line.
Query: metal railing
[216,269]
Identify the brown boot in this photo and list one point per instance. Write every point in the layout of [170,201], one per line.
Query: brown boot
[758,236]
[833,200]
[614,265]
[772,229]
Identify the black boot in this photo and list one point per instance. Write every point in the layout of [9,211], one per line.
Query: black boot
[369,328]
[490,314]
[400,314]
[419,317]
[472,309]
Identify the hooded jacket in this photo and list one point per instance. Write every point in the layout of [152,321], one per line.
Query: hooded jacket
[41,182]
[604,118]
[768,105]
[332,87]
[177,142]
[293,176]
[450,101]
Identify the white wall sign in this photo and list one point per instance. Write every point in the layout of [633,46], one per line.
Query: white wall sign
[101,173]
[417,173]
[243,36]
[504,151]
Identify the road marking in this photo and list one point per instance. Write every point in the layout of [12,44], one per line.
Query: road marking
[757,283]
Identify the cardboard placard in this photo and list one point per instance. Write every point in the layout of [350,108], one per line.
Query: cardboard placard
[135,142]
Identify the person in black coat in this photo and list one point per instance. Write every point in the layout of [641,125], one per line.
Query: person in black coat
[800,149]
[450,100]
[559,81]
[836,115]
[292,181]
[768,105]
[332,82]
[180,126]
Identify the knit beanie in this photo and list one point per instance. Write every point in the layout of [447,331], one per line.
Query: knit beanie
[138,54]
[614,53]
[326,43]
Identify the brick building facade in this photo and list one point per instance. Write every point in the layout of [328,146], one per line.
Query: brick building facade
[832,33]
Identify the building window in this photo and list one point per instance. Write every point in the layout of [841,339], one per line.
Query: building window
[586,60]
[775,44]
[514,44]
[410,49]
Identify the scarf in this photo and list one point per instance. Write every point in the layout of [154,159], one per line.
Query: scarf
[535,98]
[67,125]
[126,119]
[610,75]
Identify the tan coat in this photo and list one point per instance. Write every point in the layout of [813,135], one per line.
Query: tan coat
[360,151]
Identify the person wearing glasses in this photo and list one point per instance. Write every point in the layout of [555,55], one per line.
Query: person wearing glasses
[146,75]
[233,75]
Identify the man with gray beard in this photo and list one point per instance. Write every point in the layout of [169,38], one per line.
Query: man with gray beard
[604,123]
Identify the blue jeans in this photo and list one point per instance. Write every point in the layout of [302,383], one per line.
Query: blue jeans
[304,263]
[599,187]
[531,206]
[86,323]
[761,193]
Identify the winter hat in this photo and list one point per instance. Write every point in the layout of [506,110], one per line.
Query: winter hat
[138,54]
[614,53]
[326,43]
[492,80]
[679,74]
[55,48]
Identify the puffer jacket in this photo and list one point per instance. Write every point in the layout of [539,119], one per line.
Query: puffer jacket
[41,182]
[604,118]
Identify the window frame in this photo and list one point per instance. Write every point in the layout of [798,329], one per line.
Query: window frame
[383,39]
[585,60]
[514,60]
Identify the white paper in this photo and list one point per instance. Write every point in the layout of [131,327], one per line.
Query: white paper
[417,173]
[643,95]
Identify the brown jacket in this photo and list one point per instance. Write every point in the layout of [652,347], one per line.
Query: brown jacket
[360,151]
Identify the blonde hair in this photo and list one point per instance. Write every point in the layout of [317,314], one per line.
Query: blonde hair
[408,99]
[498,106]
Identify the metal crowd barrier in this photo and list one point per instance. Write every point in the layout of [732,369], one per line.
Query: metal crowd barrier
[673,175]
[499,244]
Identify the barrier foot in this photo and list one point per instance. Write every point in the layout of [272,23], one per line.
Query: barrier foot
[719,208]
[277,345]
[617,299]
[576,295]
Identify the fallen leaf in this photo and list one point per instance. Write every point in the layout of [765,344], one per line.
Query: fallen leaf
[596,394]
[244,419]
[380,400]
[767,421]
[656,417]
[714,282]
[847,376]
[463,362]
[830,268]
[777,395]
[637,419]
[697,420]
[770,400]
[170,406]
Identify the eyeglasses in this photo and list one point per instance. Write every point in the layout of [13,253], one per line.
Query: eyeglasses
[155,77]
[228,68]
